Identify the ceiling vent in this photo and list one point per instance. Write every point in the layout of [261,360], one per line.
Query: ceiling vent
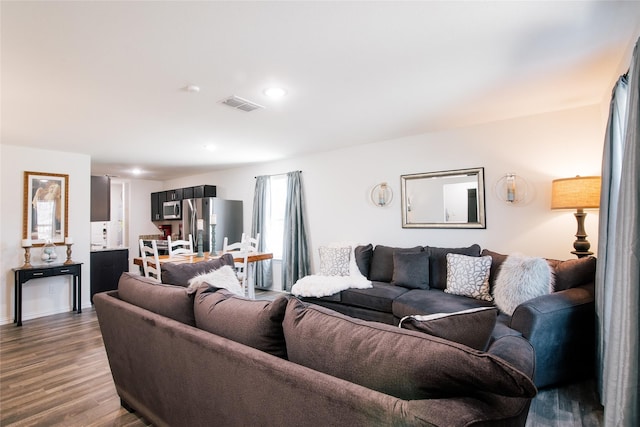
[241,103]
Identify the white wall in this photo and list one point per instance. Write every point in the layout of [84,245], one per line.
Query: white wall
[51,295]
[139,214]
[539,148]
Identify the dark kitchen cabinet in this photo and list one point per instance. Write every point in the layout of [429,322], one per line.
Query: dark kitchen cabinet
[204,191]
[100,198]
[174,195]
[158,198]
[156,206]
[187,193]
[106,268]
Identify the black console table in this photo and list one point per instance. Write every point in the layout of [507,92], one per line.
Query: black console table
[24,274]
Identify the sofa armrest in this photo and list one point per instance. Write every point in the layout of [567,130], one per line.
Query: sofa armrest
[561,328]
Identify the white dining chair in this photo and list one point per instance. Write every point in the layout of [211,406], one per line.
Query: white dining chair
[239,251]
[150,259]
[180,247]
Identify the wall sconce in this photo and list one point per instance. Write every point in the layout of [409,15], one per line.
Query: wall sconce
[381,194]
[512,189]
[581,192]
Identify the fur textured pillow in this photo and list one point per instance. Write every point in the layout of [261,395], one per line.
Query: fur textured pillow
[520,279]
[223,278]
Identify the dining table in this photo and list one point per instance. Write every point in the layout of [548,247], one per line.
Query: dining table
[191,258]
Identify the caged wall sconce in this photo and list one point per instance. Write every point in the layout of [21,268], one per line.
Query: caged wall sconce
[512,189]
[381,194]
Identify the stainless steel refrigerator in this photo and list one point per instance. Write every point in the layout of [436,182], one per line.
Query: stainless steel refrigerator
[228,221]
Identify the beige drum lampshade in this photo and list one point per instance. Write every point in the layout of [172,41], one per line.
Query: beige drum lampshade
[581,192]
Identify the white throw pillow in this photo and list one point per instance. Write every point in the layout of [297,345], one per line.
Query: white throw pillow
[520,279]
[334,261]
[224,277]
[468,276]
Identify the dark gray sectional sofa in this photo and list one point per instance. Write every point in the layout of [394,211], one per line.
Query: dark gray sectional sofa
[560,325]
[217,359]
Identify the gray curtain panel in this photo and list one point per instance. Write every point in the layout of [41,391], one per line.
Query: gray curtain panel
[295,249]
[618,268]
[262,273]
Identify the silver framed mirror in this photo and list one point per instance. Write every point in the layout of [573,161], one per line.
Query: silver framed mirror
[445,199]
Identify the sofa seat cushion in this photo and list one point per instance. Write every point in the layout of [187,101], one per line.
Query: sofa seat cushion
[167,300]
[401,363]
[433,301]
[378,298]
[255,323]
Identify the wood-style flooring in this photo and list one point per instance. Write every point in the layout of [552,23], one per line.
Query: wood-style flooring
[54,372]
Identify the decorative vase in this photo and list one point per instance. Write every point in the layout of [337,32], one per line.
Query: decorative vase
[49,253]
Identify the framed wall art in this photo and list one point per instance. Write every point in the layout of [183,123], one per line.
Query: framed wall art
[45,207]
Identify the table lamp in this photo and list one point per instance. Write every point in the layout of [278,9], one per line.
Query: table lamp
[581,192]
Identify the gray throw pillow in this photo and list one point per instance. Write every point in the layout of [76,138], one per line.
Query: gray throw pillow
[471,327]
[255,323]
[405,364]
[382,262]
[167,300]
[411,270]
[180,273]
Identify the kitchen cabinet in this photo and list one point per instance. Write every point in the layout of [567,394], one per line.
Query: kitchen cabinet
[156,206]
[100,198]
[106,268]
[187,193]
[197,192]
[204,191]
[174,195]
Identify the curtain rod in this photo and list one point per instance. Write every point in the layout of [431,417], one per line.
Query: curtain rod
[278,174]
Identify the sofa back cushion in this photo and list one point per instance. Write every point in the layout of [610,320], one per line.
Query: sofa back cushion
[567,274]
[405,364]
[166,300]
[411,270]
[438,263]
[573,272]
[363,254]
[382,262]
[255,323]
[180,273]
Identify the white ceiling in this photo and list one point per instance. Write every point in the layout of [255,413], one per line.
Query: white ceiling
[107,78]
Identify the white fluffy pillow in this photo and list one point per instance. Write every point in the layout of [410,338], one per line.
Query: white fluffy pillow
[224,277]
[520,279]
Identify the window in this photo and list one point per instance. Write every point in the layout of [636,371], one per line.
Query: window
[275,226]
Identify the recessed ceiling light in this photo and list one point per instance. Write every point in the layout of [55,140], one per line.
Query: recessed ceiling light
[192,88]
[275,92]
[136,171]
[210,147]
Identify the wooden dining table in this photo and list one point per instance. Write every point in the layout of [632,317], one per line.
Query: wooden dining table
[181,259]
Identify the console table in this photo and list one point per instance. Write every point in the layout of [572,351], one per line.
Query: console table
[23,275]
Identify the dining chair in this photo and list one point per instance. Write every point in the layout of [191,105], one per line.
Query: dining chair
[179,247]
[239,251]
[150,259]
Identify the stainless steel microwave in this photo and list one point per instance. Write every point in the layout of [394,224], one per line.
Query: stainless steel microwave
[172,210]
